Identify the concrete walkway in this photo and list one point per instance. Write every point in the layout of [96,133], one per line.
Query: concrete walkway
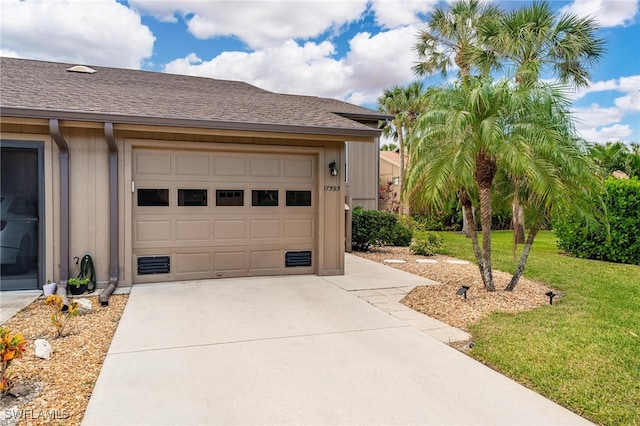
[296,350]
[12,302]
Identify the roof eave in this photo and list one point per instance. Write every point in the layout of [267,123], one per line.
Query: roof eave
[23,112]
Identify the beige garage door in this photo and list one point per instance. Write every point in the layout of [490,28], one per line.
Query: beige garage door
[203,214]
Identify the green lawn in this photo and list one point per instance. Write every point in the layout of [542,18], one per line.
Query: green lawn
[584,351]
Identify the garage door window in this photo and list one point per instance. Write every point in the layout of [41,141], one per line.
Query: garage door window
[264,198]
[192,197]
[229,197]
[153,197]
[298,198]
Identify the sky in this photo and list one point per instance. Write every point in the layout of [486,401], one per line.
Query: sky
[345,49]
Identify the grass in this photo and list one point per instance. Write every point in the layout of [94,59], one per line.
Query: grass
[584,351]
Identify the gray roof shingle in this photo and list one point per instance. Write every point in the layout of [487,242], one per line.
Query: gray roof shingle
[40,88]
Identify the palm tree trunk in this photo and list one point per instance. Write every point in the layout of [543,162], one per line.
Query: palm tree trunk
[472,233]
[523,260]
[485,220]
[401,183]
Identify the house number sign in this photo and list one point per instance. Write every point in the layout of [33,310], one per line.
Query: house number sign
[332,188]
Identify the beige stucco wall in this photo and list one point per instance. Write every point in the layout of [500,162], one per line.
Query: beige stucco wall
[89,185]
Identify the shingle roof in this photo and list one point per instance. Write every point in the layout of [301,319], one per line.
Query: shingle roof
[36,88]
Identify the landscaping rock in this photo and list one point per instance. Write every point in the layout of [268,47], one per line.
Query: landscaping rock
[84,306]
[42,349]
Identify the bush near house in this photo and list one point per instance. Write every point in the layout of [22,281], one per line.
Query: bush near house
[374,228]
[622,243]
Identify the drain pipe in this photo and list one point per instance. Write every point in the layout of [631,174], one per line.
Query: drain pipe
[54,129]
[113,215]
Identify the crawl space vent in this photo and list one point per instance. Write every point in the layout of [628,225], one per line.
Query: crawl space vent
[297,258]
[154,265]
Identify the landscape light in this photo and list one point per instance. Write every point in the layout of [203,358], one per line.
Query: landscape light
[462,291]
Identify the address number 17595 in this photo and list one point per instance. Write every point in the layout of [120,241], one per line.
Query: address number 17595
[332,188]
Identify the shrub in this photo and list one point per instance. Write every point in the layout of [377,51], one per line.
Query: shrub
[622,211]
[12,346]
[400,236]
[371,228]
[427,245]
[60,318]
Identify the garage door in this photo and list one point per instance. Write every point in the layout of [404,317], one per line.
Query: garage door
[203,214]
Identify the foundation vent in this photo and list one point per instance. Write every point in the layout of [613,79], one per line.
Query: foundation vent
[297,258]
[154,265]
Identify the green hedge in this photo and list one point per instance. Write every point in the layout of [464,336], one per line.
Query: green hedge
[373,228]
[622,243]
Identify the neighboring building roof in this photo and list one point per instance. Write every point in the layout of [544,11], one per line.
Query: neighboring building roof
[391,157]
[46,90]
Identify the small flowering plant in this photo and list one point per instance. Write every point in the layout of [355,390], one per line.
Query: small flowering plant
[12,346]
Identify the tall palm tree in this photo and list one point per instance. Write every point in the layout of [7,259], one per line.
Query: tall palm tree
[535,40]
[456,37]
[406,103]
[473,130]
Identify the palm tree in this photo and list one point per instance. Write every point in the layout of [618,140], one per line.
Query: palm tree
[406,104]
[456,37]
[459,34]
[535,40]
[473,130]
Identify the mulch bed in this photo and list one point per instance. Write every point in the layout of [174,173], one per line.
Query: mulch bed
[57,391]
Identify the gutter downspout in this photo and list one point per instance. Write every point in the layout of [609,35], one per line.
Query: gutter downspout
[54,129]
[113,215]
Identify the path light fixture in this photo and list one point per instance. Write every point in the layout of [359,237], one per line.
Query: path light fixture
[462,291]
[551,295]
[333,169]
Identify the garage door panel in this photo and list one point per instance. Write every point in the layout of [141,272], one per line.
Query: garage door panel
[186,263]
[265,229]
[261,260]
[264,167]
[231,261]
[230,165]
[298,228]
[157,231]
[230,230]
[193,164]
[147,163]
[192,230]
[299,168]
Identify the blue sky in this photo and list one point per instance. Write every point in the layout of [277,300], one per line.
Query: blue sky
[345,49]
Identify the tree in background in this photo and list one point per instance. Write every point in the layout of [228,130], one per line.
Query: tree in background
[613,156]
[405,103]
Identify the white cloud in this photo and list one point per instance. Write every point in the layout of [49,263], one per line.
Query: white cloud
[399,13]
[373,63]
[631,101]
[598,86]
[616,132]
[258,23]
[98,33]
[608,13]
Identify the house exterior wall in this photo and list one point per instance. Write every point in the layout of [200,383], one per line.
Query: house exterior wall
[362,169]
[89,185]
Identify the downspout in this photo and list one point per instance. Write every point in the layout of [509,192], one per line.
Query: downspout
[54,129]
[113,215]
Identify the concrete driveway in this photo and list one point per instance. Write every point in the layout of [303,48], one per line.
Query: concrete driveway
[296,350]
